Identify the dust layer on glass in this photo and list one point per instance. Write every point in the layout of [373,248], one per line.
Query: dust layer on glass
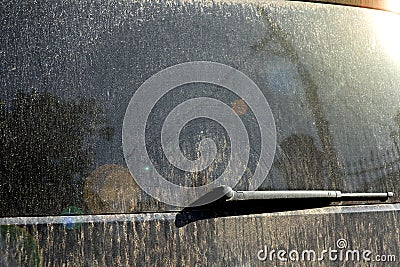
[330,78]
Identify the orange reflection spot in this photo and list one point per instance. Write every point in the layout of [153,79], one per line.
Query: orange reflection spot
[240,107]
[111,189]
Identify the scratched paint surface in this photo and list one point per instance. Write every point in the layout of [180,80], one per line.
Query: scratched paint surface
[200,239]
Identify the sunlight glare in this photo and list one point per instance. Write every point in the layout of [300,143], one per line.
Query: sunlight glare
[387,26]
[393,5]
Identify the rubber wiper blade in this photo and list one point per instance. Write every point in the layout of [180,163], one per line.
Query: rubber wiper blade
[231,195]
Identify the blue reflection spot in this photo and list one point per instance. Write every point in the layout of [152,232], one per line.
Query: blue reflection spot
[146,168]
[69,221]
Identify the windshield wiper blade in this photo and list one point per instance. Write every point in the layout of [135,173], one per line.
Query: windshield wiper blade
[231,195]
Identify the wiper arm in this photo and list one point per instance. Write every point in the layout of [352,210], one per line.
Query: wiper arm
[231,195]
[234,203]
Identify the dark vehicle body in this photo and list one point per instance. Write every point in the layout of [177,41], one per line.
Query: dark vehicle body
[69,69]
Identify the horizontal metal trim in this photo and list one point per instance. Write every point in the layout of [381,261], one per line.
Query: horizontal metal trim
[170,216]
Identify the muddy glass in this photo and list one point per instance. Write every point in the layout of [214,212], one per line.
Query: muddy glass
[330,75]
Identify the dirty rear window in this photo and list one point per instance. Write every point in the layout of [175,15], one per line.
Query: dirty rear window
[329,74]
